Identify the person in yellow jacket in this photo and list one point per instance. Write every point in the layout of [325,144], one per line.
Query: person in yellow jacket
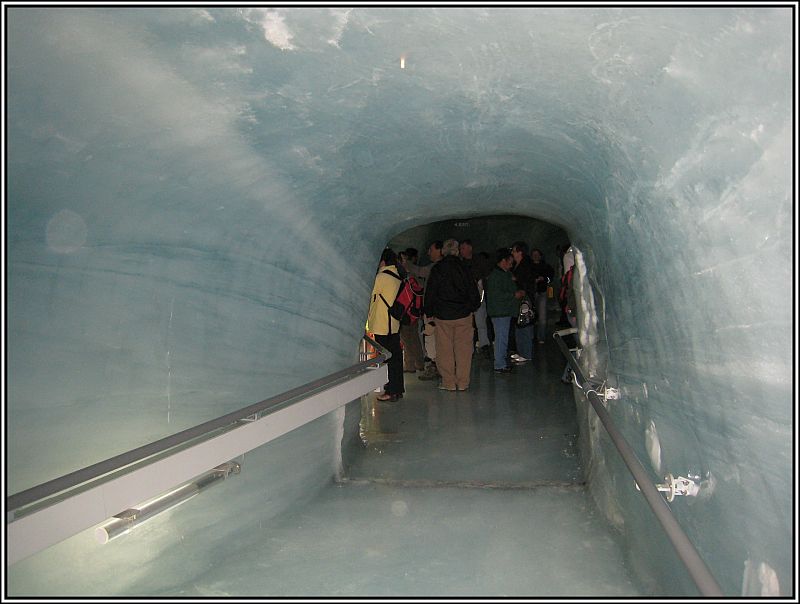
[383,326]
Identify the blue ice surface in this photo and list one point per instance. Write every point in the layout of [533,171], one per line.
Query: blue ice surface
[196,199]
[478,492]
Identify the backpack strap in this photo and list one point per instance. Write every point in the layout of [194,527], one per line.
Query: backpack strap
[396,276]
[388,306]
[388,314]
[393,274]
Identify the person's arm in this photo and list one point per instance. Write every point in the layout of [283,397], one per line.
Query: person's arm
[474,292]
[511,288]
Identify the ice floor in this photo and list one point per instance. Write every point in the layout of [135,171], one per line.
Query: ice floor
[476,493]
[457,494]
[383,540]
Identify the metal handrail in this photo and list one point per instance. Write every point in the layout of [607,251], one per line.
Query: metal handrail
[705,581]
[271,405]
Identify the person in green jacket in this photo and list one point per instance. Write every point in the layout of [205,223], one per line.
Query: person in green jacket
[502,303]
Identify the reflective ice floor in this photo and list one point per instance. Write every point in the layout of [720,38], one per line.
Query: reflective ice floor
[518,429]
[381,540]
[475,493]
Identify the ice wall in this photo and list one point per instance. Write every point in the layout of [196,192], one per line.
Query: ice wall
[197,197]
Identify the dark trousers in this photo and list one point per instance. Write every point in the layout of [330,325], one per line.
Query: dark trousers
[395,365]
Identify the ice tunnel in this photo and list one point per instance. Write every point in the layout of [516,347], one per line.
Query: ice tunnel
[196,199]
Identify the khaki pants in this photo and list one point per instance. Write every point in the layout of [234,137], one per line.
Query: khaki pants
[454,351]
[412,349]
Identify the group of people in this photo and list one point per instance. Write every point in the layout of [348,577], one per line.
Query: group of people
[469,302]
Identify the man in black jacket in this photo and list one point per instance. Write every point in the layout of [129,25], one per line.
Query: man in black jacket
[451,296]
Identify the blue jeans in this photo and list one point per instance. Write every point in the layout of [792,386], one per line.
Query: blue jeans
[524,337]
[501,327]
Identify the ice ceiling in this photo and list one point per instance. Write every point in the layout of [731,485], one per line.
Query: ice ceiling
[196,199]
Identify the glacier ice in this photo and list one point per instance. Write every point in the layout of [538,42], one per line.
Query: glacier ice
[195,198]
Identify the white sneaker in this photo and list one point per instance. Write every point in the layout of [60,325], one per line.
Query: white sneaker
[519,360]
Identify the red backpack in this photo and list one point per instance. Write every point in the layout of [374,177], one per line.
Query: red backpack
[407,306]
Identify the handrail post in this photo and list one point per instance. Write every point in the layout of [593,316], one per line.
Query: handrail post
[699,571]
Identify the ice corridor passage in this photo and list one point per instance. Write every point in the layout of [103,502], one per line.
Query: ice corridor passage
[476,493]
[196,201]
